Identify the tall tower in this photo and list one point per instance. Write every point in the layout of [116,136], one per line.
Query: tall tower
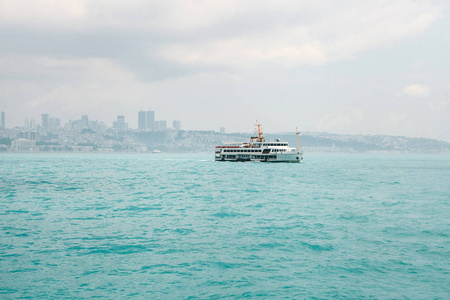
[150,120]
[3,121]
[142,120]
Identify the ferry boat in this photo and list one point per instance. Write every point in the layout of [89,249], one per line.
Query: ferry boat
[258,149]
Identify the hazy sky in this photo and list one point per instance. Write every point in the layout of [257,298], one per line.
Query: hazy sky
[370,67]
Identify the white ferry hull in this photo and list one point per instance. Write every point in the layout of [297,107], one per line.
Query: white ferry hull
[295,157]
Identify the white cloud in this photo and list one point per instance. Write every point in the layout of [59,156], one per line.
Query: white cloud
[242,52]
[416,90]
[293,32]
[346,121]
[338,32]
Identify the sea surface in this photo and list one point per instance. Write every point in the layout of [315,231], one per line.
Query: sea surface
[182,226]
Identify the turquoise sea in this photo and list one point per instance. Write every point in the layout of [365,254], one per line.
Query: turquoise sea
[179,226]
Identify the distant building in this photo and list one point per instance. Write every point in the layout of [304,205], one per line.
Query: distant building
[146,120]
[150,119]
[54,123]
[84,121]
[120,124]
[76,124]
[93,125]
[29,135]
[176,125]
[142,120]
[44,122]
[3,121]
[156,125]
[163,125]
[23,145]
[222,130]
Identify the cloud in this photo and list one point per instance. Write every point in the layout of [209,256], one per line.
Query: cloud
[416,90]
[346,121]
[42,13]
[222,33]
[297,34]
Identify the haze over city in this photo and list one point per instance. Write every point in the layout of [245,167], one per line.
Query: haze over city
[349,67]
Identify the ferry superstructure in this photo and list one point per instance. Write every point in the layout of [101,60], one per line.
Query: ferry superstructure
[258,149]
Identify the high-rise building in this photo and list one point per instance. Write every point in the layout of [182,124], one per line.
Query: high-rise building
[120,124]
[84,121]
[163,125]
[146,120]
[156,125]
[3,121]
[222,130]
[44,123]
[142,120]
[150,120]
[176,125]
[54,123]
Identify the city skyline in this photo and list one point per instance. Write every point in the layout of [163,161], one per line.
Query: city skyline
[346,68]
[51,122]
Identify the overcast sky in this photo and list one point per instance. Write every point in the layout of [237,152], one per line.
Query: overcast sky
[370,67]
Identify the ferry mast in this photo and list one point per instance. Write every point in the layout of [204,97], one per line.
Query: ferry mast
[260,137]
